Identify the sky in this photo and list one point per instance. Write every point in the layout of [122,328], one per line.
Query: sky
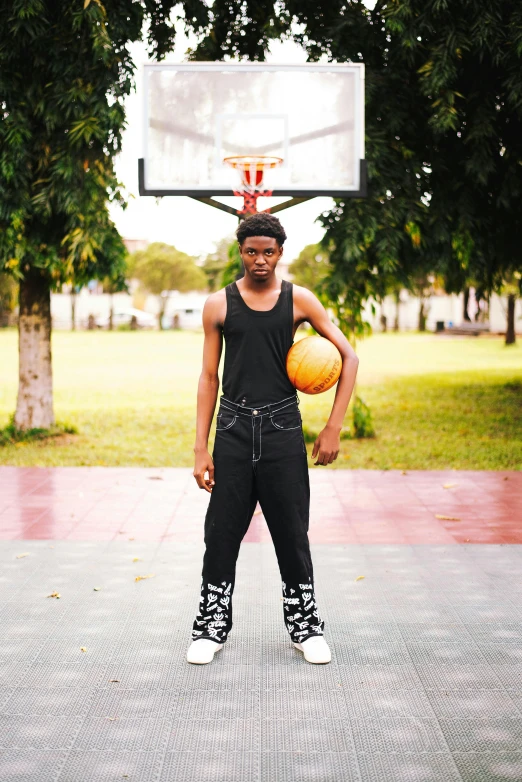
[190,226]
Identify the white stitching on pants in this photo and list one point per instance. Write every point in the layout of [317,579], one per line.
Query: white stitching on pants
[282,408]
[253,408]
[260,419]
[284,428]
[232,410]
[223,428]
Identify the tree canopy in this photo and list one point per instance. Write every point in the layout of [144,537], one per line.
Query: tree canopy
[310,267]
[65,70]
[443,133]
[162,269]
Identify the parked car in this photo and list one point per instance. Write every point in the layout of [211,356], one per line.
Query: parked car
[123,317]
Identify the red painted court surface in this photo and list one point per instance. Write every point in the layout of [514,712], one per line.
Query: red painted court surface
[348,506]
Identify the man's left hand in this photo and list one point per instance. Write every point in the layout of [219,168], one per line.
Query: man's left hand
[327,446]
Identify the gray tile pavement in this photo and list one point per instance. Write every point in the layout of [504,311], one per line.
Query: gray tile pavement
[425,682]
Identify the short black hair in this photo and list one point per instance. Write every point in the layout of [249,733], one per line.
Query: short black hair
[261,224]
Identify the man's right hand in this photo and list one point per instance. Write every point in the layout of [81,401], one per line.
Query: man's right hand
[204,464]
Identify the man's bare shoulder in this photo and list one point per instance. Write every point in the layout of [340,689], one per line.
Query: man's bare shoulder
[215,307]
[304,298]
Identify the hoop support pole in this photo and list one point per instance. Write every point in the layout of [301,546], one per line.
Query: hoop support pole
[290,202]
[216,204]
[242,214]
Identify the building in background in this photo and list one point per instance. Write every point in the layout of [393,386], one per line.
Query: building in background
[133,245]
[184,310]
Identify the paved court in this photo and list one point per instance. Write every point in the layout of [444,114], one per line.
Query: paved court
[426,677]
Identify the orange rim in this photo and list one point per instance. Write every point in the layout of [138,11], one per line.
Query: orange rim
[258,162]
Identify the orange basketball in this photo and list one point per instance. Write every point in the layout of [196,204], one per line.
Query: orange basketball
[313,365]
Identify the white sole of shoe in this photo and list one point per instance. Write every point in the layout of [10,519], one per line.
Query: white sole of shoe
[202,662]
[313,662]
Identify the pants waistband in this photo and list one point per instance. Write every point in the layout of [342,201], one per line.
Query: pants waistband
[274,407]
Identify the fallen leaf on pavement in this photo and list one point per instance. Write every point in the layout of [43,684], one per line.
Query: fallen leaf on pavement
[83,648]
[136,559]
[446,518]
[140,578]
[20,556]
[54,594]
[114,680]
[96,589]
[359,578]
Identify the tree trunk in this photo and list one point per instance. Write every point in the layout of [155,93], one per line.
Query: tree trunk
[111,312]
[163,307]
[511,336]
[73,309]
[382,317]
[34,407]
[465,312]
[397,304]
[422,316]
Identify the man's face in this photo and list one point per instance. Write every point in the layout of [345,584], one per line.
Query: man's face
[260,255]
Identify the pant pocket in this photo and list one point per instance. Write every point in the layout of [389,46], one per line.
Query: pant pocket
[286,419]
[225,420]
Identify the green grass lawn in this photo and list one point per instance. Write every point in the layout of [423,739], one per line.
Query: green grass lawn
[437,402]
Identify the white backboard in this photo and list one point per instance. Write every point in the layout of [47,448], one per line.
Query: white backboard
[196,114]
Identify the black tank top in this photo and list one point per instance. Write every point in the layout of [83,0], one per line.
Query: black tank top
[256,344]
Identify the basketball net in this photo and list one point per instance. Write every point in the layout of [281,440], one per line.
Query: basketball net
[251,169]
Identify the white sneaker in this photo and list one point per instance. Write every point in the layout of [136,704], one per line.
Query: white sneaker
[315,649]
[202,651]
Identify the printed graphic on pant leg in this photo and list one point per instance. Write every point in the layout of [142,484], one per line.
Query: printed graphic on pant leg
[213,619]
[301,616]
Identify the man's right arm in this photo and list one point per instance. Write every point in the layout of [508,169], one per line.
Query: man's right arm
[208,387]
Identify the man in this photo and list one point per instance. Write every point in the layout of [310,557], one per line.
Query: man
[259,451]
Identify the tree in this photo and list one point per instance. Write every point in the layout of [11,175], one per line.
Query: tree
[65,70]
[224,265]
[162,269]
[444,120]
[310,267]
[234,268]
[443,132]
[112,286]
[215,264]
[7,298]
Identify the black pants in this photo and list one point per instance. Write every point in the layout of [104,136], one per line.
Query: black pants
[259,454]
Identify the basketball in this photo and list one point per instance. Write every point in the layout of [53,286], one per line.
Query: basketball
[313,365]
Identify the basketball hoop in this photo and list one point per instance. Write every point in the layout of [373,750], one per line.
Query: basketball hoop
[252,171]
